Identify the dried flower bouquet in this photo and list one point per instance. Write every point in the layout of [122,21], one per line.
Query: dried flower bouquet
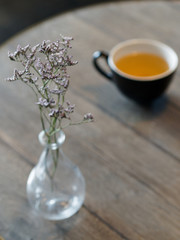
[45,72]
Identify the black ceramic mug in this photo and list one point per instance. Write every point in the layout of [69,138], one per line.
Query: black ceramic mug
[141,89]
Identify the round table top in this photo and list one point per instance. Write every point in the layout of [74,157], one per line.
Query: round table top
[130,155]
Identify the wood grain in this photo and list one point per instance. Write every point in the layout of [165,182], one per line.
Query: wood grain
[130,156]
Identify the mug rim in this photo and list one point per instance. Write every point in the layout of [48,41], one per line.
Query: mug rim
[149,42]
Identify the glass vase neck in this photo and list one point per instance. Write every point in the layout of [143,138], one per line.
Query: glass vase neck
[53,142]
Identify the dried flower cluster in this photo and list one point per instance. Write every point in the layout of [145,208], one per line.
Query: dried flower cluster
[45,72]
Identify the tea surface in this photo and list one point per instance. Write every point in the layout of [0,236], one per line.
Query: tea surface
[142,64]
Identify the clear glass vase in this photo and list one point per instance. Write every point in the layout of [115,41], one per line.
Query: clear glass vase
[55,187]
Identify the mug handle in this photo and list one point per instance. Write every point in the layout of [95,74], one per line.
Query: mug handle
[96,56]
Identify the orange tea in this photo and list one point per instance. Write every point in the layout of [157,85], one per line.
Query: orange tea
[142,64]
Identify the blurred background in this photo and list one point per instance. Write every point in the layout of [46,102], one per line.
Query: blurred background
[15,15]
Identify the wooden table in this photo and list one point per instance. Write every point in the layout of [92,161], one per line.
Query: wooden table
[130,156]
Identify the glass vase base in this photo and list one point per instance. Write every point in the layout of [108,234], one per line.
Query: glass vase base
[58,209]
[54,205]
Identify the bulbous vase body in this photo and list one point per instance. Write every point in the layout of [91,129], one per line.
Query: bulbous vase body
[55,187]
